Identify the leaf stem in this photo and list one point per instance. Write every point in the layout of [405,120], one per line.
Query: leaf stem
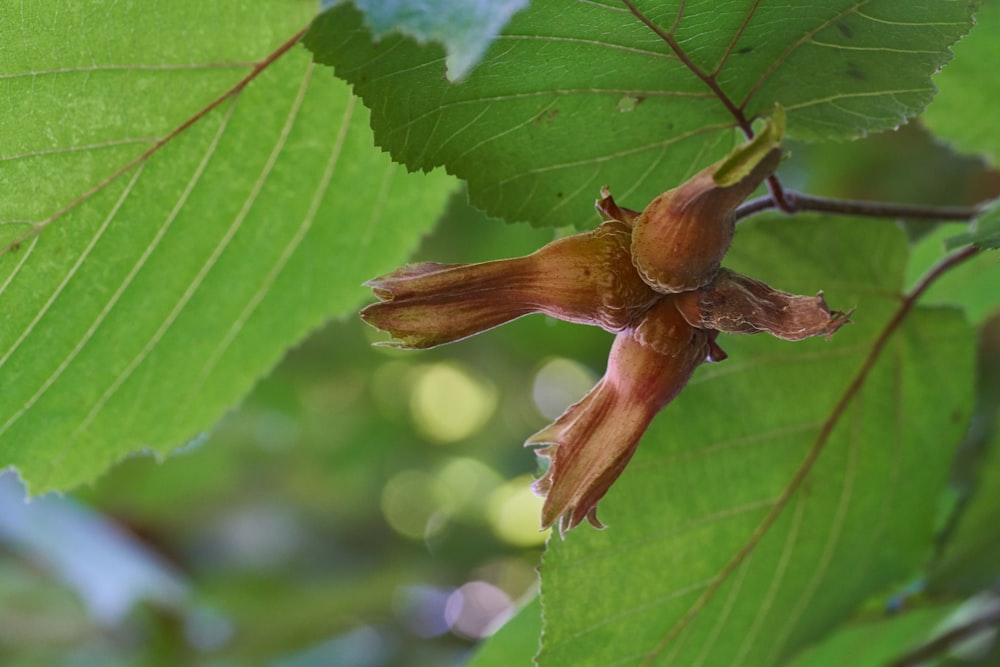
[909,300]
[258,67]
[797,202]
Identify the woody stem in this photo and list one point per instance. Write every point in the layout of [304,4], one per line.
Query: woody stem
[796,202]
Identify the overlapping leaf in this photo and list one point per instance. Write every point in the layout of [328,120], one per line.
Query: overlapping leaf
[717,460]
[876,642]
[970,558]
[136,313]
[465,28]
[965,110]
[576,95]
[984,232]
[972,284]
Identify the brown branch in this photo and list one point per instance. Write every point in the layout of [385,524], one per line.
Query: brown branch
[909,300]
[258,67]
[752,207]
[796,202]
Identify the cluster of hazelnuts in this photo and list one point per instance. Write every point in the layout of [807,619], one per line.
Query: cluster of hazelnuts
[653,278]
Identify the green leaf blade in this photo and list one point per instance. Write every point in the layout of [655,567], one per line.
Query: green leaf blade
[466,29]
[875,643]
[138,316]
[546,125]
[575,96]
[984,231]
[857,67]
[718,459]
[964,110]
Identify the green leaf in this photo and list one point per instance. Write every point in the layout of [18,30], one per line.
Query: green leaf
[516,643]
[970,285]
[970,558]
[140,302]
[577,95]
[983,232]
[717,461]
[466,29]
[875,643]
[965,110]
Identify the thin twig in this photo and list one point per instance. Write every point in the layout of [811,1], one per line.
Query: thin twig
[909,300]
[802,202]
[753,207]
[778,194]
[798,202]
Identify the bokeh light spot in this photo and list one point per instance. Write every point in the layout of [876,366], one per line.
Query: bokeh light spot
[448,404]
[560,383]
[421,609]
[477,609]
[410,501]
[467,484]
[515,513]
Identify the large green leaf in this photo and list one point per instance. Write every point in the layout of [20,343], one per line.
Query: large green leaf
[965,110]
[970,285]
[577,95]
[875,643]
[465,28]
[717,460]
[137,312]
[970,558]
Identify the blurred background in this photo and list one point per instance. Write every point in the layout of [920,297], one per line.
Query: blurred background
[364,506]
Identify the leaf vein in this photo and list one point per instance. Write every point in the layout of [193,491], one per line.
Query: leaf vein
[779,61]
[203,272]
[791,539]
[592,42]
[833,535]
[290,247]
[75,149]
[20,263]
[672,531]
[64,364]
[126,281]
[942,24]
[638,609]
[436,111]
[840,96]
[611,156]
[882,49]
[127,68]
